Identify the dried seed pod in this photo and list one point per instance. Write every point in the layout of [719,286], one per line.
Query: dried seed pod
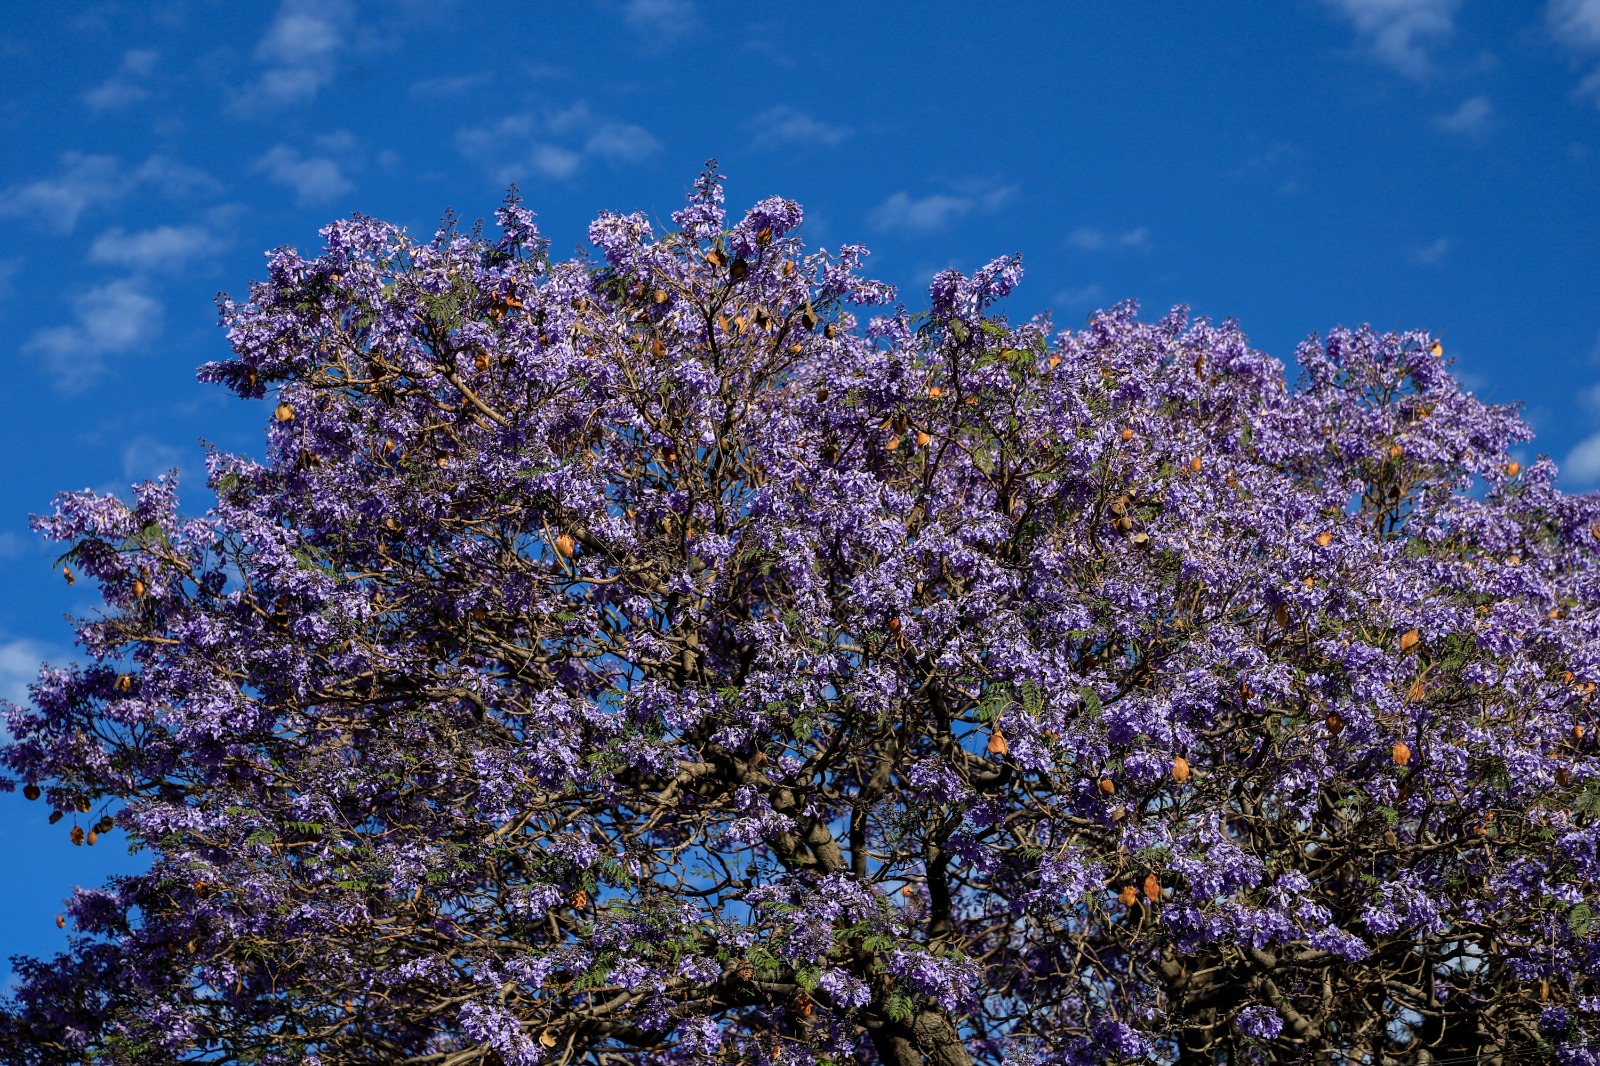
[565,545]
[1180,770]
[580,899]
[1280,614]
[658,348]
[66,572]
[1127,435]
[284,412]
[1108,787]
[716,258]
[892,444]
[1152,888]
[1577,731]
[1400,753]
[1436,349]
[61,921]
[1396,451]
[55,816]
[1563,777]
[923,438]
[764,237]
[1409,639]
[124,682]
[739,269]
[138,588]
[1324,539]
[91,838]
[1129,896]
[1513,469]
[1196,464]
[77,835]
[1140,540]
[30,790]
[934,392]
[1334,722]
[997,743]
[547,1039]
[660,296]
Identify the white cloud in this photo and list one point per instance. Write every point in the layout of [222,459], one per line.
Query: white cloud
[554,145]
[299,54]
[314,179]
[1472,117]
[144,458]
[1398,31]
[1431,254]
[1575,23]
[123,87]
[1087,296]
[927,214]
[88,181]
[110,319]
[785,125]
[439,88]
[163,248]
[661,20]
[1090,239]
[1581,468]
[19,667]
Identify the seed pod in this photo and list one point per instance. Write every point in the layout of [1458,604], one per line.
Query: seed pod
[716,258]
[55,816]
[61,921]
[124,682]
[83,804]
[660,296]
[745,970]
[1577,731]
[1563,777]
[1124,524]
[77,835]
[1436,349]
[31,790]
[1324,539]
[284,412]
[1400,753]
[1129,896]
[1053,362]
[830,331]
[1108,787]
[1418,691]
[105,824]
[739,269]
[1280,614]
[1409,639]
[1395,451]
[1334,722]
[1152,888]
[1140,540]
[907,891]
[1513,469]
[1127,435]
[804,1005]
[547,1039]
[1389,838]
[480,361]
[565,545]
[934,392]
[894,627]
[658,348]
[1195,464]
[138,588]
[787,268]
[67,573]
[580,899]
[923,438]
[893,443]
[997,743]
[91,838]
[1180,770]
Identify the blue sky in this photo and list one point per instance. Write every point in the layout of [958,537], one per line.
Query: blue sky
[1296,165]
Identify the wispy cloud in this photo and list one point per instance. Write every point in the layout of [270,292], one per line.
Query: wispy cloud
[1091,239]
[144,458]
[905,213]
[662,21]
[314,179]
[19,666]
[1399,32]
[108,320]
[443,88]
[1085,296]
[785,125]
[125,86]
[89,181]
[554,145]
[1575,24]
[1472,118]
[1431,254]
[298,55]
[165,248]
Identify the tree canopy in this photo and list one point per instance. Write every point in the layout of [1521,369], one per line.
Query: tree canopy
[687,655]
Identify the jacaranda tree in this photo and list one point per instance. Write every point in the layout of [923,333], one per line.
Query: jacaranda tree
[657,660]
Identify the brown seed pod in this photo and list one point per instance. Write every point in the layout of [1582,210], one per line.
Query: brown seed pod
[934,392]
[61,921]
[1400,753]
[1195,464]
[284,412]
[923,438]
[1334,722]
[1127,435]
[1053,362]
[739,269]
[480,361]
[1108,787]
[1577,731]
[1396,451]
[1409,639]
[1129,896]
[1324,539]
[660,296]
[658,348]
[1417,692]
[124,682]
[716,258]
[91,838]
[580,899]
[1152,888]
[1563,777]
[547,1039]
[891,444]
[1180,770]
[55,816]
[764,237]
[83,804]
[997,743]
[830,331]
[1124,524]
[30,790]
[67,573]
[1280,614]
[77,835]
[565,545]
[1436,349]
[138,588]
[894,627]
[1140,540]
[1513,469]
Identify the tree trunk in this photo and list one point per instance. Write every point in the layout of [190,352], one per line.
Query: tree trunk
[928,1039]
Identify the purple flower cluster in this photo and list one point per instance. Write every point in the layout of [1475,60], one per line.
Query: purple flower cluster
[688,655]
